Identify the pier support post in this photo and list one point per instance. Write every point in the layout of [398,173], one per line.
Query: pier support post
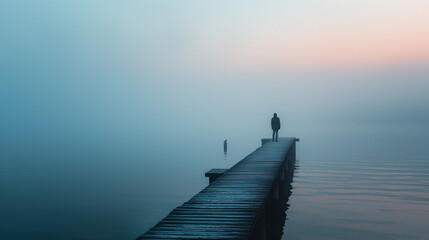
[263,226]
[276,191]
[282,174]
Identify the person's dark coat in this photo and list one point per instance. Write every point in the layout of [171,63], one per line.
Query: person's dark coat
[275,123]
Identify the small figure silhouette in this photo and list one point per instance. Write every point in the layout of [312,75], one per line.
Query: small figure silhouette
[275,125]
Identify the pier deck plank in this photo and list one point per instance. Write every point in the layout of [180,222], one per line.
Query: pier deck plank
[229,207]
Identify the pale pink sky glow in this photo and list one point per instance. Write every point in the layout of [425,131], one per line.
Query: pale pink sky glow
[373,34]
[327,48]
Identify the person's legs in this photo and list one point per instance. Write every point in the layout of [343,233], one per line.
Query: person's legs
[277,135]
[273,134]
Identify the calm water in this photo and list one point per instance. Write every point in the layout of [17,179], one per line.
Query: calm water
[361,184]
[351,182]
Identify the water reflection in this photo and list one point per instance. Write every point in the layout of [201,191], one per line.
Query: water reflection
[277,209]
[355,191]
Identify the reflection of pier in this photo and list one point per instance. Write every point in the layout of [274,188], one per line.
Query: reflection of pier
[247,201]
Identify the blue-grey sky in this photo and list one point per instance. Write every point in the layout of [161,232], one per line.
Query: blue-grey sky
[102,102]
[94,68]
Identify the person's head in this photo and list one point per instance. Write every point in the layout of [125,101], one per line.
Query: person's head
[275,114]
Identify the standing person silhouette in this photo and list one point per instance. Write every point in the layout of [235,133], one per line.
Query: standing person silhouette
[275,125]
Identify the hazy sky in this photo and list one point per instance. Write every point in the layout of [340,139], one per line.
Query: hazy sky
[103,99]
[92,66]
[223,35]
[249,35]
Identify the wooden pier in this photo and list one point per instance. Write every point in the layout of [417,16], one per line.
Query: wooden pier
[239,203]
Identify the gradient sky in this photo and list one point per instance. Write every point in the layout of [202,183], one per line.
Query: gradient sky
[122,95]
[93,65]
[243,36]
[225,35]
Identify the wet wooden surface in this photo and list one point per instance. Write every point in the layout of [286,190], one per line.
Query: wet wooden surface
[214,173]
[229,207]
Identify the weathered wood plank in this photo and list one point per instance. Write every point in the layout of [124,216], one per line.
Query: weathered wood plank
[229,207]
